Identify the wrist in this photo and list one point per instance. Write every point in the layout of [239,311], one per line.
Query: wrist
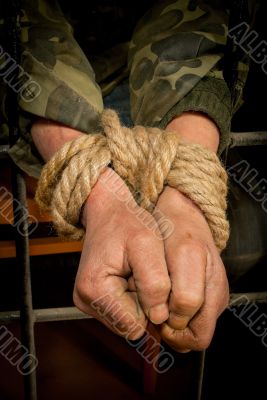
[196,128]
[184,203]
[49,137]
[96,198]
[108,190]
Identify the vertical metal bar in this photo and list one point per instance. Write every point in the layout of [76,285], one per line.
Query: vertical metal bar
[23,260]
[201,369]
[12,26]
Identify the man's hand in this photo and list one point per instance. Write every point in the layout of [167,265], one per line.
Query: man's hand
[123,258]
[199,291]
[123,254]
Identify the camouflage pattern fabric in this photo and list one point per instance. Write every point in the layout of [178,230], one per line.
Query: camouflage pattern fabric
[173,48]
[53,58]
[175,64]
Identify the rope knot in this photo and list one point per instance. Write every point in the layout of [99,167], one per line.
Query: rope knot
[141,156]
[147,159]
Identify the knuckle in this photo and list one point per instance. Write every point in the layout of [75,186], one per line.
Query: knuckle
[189,301]
[78,302]
[82,292]
[75,298]
[85,291]
[157,287]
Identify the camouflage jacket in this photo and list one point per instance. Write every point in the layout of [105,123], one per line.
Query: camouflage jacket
[175,64]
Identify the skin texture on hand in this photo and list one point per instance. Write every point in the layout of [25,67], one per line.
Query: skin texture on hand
[121,257]
[194,127]
[49,137]
[179,283]
[199,287]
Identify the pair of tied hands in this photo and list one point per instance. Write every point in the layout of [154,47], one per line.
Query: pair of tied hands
[175,280]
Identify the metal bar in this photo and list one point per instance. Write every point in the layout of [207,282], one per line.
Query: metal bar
[201,368]
[23,260]
[4,151]
[59,314]
[72,313]
[243,298]
[12,10]
[240,139]
[47,315]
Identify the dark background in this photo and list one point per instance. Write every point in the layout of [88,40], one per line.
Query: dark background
[82,359]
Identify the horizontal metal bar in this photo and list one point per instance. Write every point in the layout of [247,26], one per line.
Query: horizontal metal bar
[240,139]
[4,150]
[72,313]
[252,297]
[59,314]
[46,315]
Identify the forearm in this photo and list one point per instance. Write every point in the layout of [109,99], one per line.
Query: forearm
[49,137]
[192,127]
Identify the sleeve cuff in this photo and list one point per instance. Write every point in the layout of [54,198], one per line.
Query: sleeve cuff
[210,96]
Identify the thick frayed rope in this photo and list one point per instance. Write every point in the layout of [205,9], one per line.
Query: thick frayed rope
[147,159]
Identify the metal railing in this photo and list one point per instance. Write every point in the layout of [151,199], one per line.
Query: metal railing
[28,316]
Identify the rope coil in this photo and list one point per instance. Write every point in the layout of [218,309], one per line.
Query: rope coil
[147,159]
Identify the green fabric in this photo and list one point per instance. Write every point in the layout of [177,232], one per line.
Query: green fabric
[210,96]
[173,48]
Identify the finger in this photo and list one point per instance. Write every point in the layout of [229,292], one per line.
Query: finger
[187,267]
[198,334]
[147,260]
[101,290]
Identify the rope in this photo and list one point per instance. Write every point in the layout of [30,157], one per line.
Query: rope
[147,159]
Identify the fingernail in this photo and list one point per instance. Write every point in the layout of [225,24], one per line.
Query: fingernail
[159,314]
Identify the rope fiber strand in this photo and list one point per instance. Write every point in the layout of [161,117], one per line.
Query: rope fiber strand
[147,159]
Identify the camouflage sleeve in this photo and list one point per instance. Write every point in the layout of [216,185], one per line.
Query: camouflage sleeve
[176,64]
[64,88]
[52,57]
